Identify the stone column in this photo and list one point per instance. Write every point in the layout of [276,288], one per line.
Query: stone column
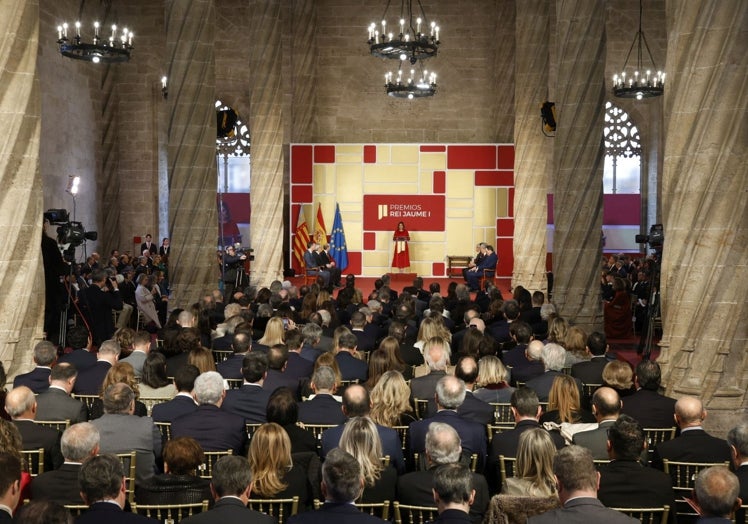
[266,128]
[532,150]
[578,161]
[21,270]
[705,204]
[193,219]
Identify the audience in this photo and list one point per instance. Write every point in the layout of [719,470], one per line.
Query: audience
[361,439]
[533,470]
[716,495]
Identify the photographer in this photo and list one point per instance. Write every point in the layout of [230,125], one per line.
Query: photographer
[231,263]
[97,302]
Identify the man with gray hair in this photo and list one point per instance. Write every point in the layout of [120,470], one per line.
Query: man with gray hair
[715,492]
[213,428]
[436,357]
[89,380]
[322,407]
[122,432]
[530,366]
[553,357]
[737,439]
[450,394]
[79,442]
[37,380]
[312,334]
[20,404]
[442,447]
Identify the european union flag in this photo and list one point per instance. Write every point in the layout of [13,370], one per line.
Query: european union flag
[338,249]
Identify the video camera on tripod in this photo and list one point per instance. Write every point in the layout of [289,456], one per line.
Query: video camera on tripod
[655,239]
[70,234]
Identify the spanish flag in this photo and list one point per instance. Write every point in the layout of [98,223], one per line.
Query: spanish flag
[320,231]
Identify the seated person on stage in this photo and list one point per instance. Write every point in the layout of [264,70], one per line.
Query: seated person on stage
[473,275]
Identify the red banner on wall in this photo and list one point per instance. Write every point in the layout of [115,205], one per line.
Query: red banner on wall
[418,212]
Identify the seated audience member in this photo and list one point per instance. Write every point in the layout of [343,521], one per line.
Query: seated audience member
[81,357]
[737,439]
[693,444]
[277,358]
[453,493]
[212,427]
[56,403]
[284,411]
[591,371]
[141,348]
[20,404]
[351,367]
[532,365]
[102,484]
[154,383]
[232,367]
[624,482]
[179,484]
[532,475]
[251,400]
[297,366]
[576,347]
[390,404]
[646,405]
[183,402]
[436,356]
[11,443]
[322,408]
[361,439]
[617,312]
[42,512]
[493,381]
[619,376]
[521,334]
[442,447]
[342,484]
[564,403]
[472,407]
[121,432]
[553,357]
[89,380]
[37,380]
[10,485]
[312,334]
[119,373]
[606,406]
[577,481]
[79,442]
[716,494]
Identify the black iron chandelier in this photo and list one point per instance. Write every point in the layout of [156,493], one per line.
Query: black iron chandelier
[116,48]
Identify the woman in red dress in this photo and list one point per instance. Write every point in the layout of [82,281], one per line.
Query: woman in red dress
[401,258]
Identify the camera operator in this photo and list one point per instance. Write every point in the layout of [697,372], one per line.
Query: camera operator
[231,264]
[97,302]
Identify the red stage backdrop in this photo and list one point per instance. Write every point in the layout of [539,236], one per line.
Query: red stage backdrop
[419,212]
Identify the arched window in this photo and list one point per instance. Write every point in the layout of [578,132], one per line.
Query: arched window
[622,153]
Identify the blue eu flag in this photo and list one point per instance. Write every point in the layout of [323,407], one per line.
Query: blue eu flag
[338,249]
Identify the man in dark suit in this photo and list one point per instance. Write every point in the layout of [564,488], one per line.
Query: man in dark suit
[521,334]
[472,408]
[102,486]
[351,367]
[715,493]
[435,355]
[213,428]
[232,367]
[297,366]
[450,394]
[454,493]
[10,486]
[37,380]
[251,400]
[20,404]
[313,264]
[488,264]
[365,342]
[56,403]
[79,442]
[97,301]
[606,406]
[625,482]
[737,439]
[410,354]
[553,357]
[81,357]
[442,447]
[342,485]
[183,402]
[530,365]
[694,444]
[356,403]
[89,380]
[647,406]
[591,371]
[577,481]
[323,408]
[277,359]
[231,486]
[149,245]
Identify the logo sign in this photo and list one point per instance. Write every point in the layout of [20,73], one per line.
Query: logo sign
[418,212]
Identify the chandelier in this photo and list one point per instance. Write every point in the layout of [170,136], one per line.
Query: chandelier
[416,39]
[643,83]
[116,48]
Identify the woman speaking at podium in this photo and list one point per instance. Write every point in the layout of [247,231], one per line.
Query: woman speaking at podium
[401,258]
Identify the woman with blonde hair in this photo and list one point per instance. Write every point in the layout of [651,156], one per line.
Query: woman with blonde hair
[125,337]
[493,381]
[533,469]
[433,327]
[361,439]
[619,376]
[576,346]
[565,404]
[557,330]
[390,401]
[202,359]
[121,372]
[274,333]
[274,475]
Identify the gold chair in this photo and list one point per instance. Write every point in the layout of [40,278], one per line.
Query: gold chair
[407,514]
[76,509]
[683,476]
[169,513]
[280,509]
[421,406]
[317,430]
[589,389]
[59,425]
[219,355]
[206,470]
[506,467]
[493,429]
[129,461]
[488,274]
[654,436]
[235,383]
[251,428]
[34,461]
[376,509]
[88,400]
[165,429]
[647,515]
[502,413]
[152,401]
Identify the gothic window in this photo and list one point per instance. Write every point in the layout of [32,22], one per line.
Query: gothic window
[622,152]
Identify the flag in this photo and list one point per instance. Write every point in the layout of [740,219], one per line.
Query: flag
[338,249]
[320,231]
[300,240]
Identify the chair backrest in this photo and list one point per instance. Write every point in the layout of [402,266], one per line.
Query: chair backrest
[589,389]
[169,513]
[206,470]
[493,429]
[345,383]
[76,509]
[165,429]
[251,428]
[506,467]
[377,509]
[88,400]
[235,383]
[683,475]
[654,436]
[152,401]
[502,413]
[129,463]
[421,406]
[407,514]
[402,432]
[317,430]
[219,355]
[34,461]
[59,425]
[647,515]
[281,509]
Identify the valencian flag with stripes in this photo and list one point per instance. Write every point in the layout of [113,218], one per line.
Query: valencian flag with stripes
[320,231]
[300,240]
[338,249]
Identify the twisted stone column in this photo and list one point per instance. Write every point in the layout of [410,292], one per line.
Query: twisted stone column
[193,220]
[705,203]
[21,270]
[578,170]
[266,127]
[532,150]
[302,69]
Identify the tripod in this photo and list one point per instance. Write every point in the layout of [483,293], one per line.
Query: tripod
[653,312]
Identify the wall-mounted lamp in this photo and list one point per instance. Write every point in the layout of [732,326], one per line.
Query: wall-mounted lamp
[164,90]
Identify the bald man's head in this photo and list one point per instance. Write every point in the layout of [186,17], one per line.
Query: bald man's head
[356,401]
[534,350]
[689,411]
[606,404]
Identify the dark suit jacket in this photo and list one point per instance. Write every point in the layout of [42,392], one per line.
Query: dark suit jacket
[472,434]
[309,353]
[542,384]
[298,367]
[453,516]
[176,362]
[650,409]
[595,440]
[334,513]
[99,305]
[249,402]
[628,484]
[229,511]
[37,380]
[213,428]
[582,511]
[352,368]
[232,366]
[277,379]
[693,445]
[591,371]
[415,489]
[390,444]
[60,485]
[55,404]
[168,411]
[322,409]
[472,408]
[411,354]
[80,358]
[424,387]
[111,514]
[35,436]
[89,380]
[365,341]
[526,372]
